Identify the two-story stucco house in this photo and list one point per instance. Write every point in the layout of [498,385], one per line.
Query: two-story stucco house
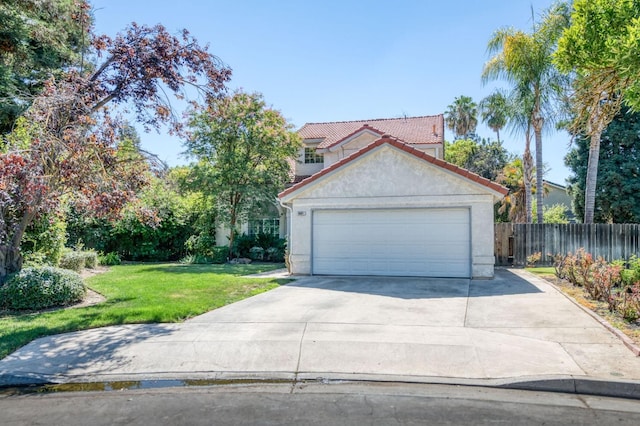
[375,197]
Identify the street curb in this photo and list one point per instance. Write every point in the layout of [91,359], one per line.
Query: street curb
[617,389]
[554,384]
[630,344]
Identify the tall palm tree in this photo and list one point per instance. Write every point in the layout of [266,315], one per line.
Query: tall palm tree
[525,61]
[519,107]
[493,111]
[462,116]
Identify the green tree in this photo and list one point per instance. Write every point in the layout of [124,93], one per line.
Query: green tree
[494,112]
[243,150]
[601,48]
[556,213]
[515,203]
[155,226]
[460,152]
[462,117]
[618,199]
[486,158]
[525,61]
[38,39]
[69,145]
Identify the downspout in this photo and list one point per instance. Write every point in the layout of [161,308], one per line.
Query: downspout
[289,242]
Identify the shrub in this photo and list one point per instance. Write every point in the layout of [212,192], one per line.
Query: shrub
[108,259]
[276,254]
[267,240]
[44,241]
[73,260]
[77,260]
[273,248]
[560,265]
[44,287]
[605,277]
[569,269]
[631,275]
[533,258]
[582,267]
[629,305]
[220,254]
[256,253]
[201,244]
[36,258]
[90,259]
[242,245]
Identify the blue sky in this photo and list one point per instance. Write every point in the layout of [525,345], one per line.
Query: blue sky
[344,60]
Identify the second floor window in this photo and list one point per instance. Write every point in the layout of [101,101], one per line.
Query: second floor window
[312,157]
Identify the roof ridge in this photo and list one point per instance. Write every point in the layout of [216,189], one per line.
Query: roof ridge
[372,119]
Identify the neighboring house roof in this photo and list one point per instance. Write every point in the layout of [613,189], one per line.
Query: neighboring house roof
[386,139]
[412,130]
[556,185]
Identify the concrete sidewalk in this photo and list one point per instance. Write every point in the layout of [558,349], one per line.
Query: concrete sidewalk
[515,330]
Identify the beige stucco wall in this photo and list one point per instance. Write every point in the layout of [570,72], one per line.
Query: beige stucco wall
[349,147]
[390,178]
[362,140]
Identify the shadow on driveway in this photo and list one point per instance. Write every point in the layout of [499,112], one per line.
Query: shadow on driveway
[93,350]
[504,283]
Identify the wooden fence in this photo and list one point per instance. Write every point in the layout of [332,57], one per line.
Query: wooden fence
[514,242]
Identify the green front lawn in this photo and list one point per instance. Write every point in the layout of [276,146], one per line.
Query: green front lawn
[142,293]
[542,270]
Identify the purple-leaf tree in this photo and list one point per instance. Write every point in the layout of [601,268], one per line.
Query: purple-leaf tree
[66,146]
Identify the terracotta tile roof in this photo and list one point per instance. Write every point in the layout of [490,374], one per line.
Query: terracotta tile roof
[300,178]
[412,130]
[386,139]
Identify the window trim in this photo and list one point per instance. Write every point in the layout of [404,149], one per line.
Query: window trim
[273,225]
[311,156]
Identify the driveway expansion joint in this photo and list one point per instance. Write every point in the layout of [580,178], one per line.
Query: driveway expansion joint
[304,330]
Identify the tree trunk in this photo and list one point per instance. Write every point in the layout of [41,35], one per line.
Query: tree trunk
[10,255]
[592,177]
[10,261]
[539,182]
[527,166]
[232,231]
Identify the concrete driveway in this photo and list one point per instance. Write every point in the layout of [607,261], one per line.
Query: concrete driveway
[513,328]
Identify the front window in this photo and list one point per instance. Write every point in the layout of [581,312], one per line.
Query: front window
[269,226]
[312,157]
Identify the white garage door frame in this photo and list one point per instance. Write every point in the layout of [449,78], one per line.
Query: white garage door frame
[431,268]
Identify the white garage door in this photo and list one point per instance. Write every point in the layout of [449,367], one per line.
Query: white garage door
[393,242]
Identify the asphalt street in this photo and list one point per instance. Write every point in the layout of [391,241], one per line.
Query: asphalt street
[316,404]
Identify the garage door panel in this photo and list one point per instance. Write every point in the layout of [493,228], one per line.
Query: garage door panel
[395,242]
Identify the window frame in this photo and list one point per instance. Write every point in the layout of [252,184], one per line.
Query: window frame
[311,156]
[257,226]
